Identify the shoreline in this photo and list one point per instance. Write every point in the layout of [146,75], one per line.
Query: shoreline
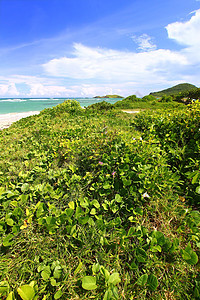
[7,119]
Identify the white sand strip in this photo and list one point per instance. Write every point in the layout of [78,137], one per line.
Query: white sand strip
[7,119]
[131,111]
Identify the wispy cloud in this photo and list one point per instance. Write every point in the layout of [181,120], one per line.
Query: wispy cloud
[144,42]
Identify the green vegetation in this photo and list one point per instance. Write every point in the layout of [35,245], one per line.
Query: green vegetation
[148,102]
[96,204]
[179,88]
[188,96]
[101,106]
[178,133]
[109,96]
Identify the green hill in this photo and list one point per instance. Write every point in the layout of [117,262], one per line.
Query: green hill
[179,88]
[109,96]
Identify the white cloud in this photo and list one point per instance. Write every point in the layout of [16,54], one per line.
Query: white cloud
[113,66]
[8,89]
[144,42]
[186,33]
[38,89]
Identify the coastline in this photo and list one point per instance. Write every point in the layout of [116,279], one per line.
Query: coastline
[7,119]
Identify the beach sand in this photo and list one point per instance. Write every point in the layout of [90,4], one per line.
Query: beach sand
[7,119]
[131,111]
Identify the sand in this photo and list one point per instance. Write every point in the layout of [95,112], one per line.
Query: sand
[131,111]
[7,119]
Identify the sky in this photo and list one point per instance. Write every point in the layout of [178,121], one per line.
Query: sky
[85,48]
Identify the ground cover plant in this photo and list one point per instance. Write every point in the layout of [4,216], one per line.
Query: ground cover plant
[91,208]
[178,133]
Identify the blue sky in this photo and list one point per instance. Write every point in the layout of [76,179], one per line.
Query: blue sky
[84,48]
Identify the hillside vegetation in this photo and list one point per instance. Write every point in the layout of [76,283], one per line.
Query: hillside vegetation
[109,96]
[179,88]
[99,204]
[148,102]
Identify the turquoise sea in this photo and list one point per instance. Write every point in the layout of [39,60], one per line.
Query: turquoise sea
[18,105]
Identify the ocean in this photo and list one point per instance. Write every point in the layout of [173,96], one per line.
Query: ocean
[19,105]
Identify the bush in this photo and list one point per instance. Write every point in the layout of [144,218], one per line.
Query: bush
[101,106]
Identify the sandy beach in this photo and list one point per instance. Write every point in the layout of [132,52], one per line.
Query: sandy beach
[7,119]
[131,111]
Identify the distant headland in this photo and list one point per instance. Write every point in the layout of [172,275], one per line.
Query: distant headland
[109,96]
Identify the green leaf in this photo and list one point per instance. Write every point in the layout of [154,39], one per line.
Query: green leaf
[4,287]
[198,245]
[69,212]
[95,268]
[83,220]
[57,272]
[118,198]
[127,182]
[195,178]
[105,272]
[10,296]
[53,281]
[10,221]
[26,292]
[185,255]
[194,258]
[189,255]
[89,283]
[160,238]
[142,280]
[198,190]
[71,204]
[156,248]
[58,294]
[93,211]
[8,240]
[114,279]
[1,189]
[141,255]
[152,282]
[108,295]
[106,186]
[80,265]
[95,203]
[84,202]
[46,273]
[25,187]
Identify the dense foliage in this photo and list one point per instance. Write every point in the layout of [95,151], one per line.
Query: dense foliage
[178,134]
[91,208]
[148,102]
[188,96]
[109,96]
[101,106]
